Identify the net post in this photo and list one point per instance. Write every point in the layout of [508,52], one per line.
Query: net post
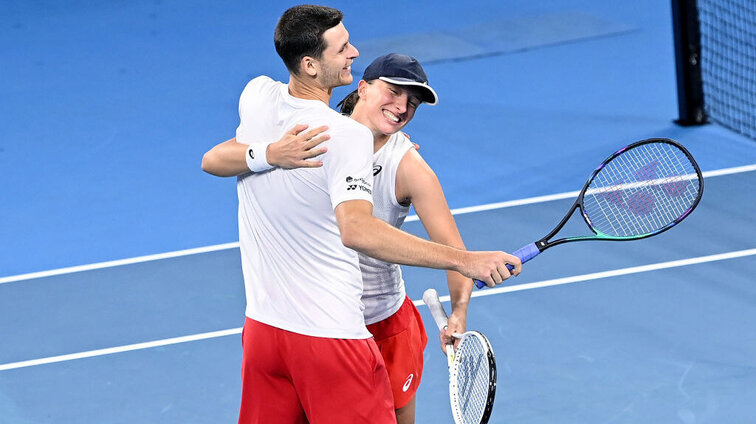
[687,36]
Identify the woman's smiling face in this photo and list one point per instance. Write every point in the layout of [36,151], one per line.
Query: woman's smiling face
[388,107]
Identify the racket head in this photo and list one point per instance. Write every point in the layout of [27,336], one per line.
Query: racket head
[472,379]
[641,190]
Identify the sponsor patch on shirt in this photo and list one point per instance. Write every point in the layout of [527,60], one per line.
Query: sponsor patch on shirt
[359,184]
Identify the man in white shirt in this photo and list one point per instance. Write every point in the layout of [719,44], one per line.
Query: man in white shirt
[308,356]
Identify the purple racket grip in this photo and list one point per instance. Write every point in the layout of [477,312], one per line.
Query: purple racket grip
[525,254]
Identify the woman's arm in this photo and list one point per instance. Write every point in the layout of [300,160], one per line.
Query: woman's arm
[228,159]
[417,183]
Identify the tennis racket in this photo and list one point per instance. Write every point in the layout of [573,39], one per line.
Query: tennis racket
[472,370]
[639,191]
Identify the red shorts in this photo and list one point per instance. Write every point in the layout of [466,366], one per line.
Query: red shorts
[293,378]
[401,339]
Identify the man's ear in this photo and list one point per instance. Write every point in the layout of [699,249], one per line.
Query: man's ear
[309,66]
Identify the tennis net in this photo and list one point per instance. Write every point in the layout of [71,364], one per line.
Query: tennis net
[727,31]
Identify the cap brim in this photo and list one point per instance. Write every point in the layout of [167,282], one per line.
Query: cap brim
[429,96]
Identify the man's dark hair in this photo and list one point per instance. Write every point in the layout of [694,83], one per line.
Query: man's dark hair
[299,33]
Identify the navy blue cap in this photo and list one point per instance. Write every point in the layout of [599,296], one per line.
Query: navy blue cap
[401,69]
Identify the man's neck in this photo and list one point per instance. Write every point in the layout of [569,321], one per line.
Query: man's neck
[307,88]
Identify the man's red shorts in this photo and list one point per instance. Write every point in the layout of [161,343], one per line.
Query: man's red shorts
[401,340]
[290,378]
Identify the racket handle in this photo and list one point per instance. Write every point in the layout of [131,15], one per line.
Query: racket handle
[525,253]
[430,297]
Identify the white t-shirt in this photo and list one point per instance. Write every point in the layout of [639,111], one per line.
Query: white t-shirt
[384,290]
[298,275]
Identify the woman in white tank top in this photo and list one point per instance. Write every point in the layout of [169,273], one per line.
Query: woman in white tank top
[387,97]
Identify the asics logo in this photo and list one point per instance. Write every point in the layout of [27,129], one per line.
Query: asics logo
[408,382]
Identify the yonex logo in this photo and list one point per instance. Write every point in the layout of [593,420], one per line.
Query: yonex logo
[408,382]
[358,183]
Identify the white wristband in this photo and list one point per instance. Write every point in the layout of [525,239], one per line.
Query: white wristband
[256,157]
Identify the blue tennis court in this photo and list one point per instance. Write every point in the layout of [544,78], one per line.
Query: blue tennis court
[121,296]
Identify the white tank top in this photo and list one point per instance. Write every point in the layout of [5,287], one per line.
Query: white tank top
[383,292]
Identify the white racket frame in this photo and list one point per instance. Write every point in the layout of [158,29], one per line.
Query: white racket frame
[430,297]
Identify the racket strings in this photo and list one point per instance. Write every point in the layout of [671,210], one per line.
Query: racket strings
[637,209]
[641,191]
[640,203]
[473,379]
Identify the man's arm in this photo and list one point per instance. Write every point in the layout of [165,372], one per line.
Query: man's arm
[363,232]
[228,159]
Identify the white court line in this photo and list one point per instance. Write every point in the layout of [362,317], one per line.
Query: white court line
[119,349]
[485,292]
[573,194]
[458,211]
[607,274]
[110,264]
